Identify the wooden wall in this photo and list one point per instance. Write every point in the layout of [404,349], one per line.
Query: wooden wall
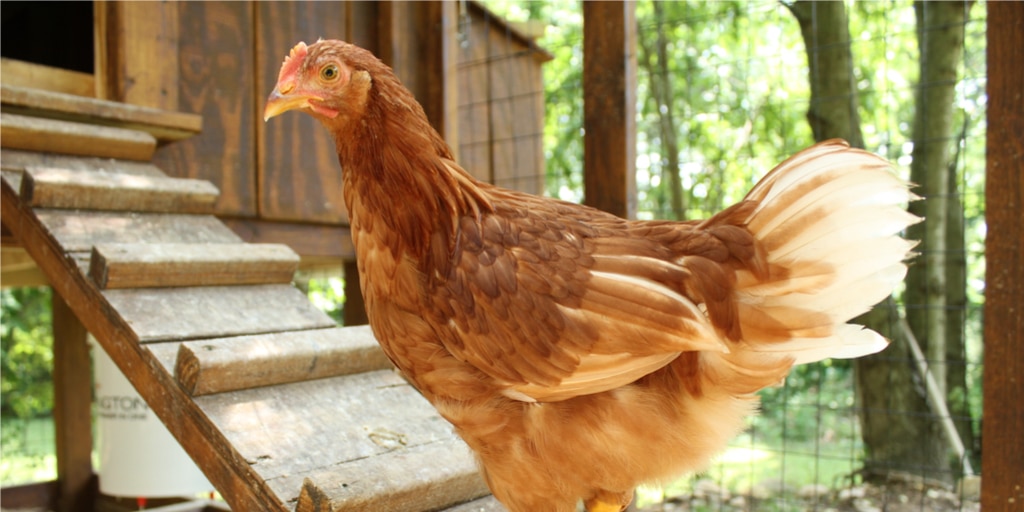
[280,181]
[500,103]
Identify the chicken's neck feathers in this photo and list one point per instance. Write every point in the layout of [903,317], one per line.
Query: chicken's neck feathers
[405,178]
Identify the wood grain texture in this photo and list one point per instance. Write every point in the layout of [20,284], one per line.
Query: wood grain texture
[164,314]
[500,103]
[18,160]
[609,99]
[221,365]
[299,178]
[221,463]
[290,432]
[52,187]
[134,33]
[216,77]
[452,478]
[53,136]
[309,240]
[418,40]
[164,125]
[1002,459]
[72,409]
[79,231]
[29,74]
[162,265]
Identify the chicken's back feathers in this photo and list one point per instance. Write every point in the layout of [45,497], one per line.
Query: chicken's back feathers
[580,354]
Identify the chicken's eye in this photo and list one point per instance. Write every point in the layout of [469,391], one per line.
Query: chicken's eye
[329,73]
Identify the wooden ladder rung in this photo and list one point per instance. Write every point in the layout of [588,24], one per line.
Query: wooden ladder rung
[161,124]
[180,264]
[50,187]
[53,136]
[453,478]
[216,366]
[202,312]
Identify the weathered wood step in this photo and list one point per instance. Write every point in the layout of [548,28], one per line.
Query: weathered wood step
[54,136]
[52,187]
[167,314]
[162,265]
[17,159]
[162,124]
[79,231]
[230,364]
[370,435]
[426,477]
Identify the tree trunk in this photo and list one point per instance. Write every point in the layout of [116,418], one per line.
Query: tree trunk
[956,301]
[935,284]
[898,437]
[661,93]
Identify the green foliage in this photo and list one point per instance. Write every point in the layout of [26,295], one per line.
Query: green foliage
[328,295]
[26,361]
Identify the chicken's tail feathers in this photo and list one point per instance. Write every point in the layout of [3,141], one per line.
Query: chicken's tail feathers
[828,221]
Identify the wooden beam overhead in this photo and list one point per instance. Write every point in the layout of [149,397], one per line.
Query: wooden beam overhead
[609,106]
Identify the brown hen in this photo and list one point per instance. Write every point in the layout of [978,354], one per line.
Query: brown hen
[579,354]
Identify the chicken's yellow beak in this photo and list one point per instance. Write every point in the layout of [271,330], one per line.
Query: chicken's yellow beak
[282,101]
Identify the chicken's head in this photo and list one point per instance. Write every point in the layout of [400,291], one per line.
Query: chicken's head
[329,80]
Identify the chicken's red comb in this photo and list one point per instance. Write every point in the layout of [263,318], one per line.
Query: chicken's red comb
[292,61]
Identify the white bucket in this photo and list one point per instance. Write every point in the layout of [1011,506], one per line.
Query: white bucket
[138,455]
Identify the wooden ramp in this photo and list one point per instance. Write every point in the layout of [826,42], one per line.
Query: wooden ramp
[280,408]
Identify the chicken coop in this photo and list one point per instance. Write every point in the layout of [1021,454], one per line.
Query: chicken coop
[141,184]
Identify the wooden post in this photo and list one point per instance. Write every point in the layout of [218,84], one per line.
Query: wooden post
[609,106]
[72,410]
[1002,459]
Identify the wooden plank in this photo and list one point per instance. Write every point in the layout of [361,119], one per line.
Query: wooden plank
[29,74]
[72,410]
[221,365]
[221,463]
[81,230]
[52,187]
[1002,460]
[309,240]
[299,178]
[217,74]
[19,160]
[135,32]
[397,484]
[163,125]
[50,135]
[34,496]
[609,106]
[160,265]
[164,314]
[310,428]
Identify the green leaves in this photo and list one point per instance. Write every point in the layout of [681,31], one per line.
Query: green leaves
[26,361]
